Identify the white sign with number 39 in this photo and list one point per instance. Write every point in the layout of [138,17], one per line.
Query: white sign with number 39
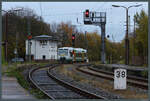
[120,76]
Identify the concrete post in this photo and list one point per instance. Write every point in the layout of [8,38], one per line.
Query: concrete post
[103,54]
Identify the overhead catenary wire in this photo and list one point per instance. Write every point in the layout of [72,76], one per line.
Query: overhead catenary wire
[41,8]
[94,6]
[101,6]
[59,14]
[41,14]
[64,14]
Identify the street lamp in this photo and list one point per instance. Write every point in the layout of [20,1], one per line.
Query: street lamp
[126,38]
[6,29]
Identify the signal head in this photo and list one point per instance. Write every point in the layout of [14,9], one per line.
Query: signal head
[87,13]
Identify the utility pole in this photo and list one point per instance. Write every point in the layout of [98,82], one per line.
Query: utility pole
[127,40]
[6,36]
[16,41]
[112,48]
[129,24]
[6,32]
[16,51]
[29,40]
[134,42]
[126,37]
[103,55]
[86,45]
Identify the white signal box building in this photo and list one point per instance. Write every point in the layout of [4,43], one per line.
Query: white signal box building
[43,47]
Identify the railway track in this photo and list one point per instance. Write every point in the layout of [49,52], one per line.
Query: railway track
[131,80]
[128,76]
[55,88]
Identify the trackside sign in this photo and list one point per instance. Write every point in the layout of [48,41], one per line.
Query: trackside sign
[120,76]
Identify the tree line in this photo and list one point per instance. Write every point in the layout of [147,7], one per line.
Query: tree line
[115,51]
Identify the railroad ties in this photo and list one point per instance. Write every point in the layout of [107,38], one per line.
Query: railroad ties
[52,88]
[132,80]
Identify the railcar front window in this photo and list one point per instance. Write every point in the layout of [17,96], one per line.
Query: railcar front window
[62,52]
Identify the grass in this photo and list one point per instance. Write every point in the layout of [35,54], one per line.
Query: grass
[16,71]
[96,62]
[121,62]
[105,85]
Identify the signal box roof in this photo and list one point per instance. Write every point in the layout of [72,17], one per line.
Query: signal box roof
[45,37]
[76,49]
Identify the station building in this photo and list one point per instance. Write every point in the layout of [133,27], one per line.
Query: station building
[43,47]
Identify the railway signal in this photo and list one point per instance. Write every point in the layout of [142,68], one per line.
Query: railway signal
[29,46]
[73,40]
[87,13]
[98,19]
[29,37]
[87,17]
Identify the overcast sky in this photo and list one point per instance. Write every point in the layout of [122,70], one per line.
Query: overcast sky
[70,11]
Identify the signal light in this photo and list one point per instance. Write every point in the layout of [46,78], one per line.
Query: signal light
[73,40]
[73,37]
[29,37]
[87,13]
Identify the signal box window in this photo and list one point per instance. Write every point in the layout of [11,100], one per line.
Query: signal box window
[43,42]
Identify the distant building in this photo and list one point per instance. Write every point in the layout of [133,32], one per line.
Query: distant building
[43,47]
